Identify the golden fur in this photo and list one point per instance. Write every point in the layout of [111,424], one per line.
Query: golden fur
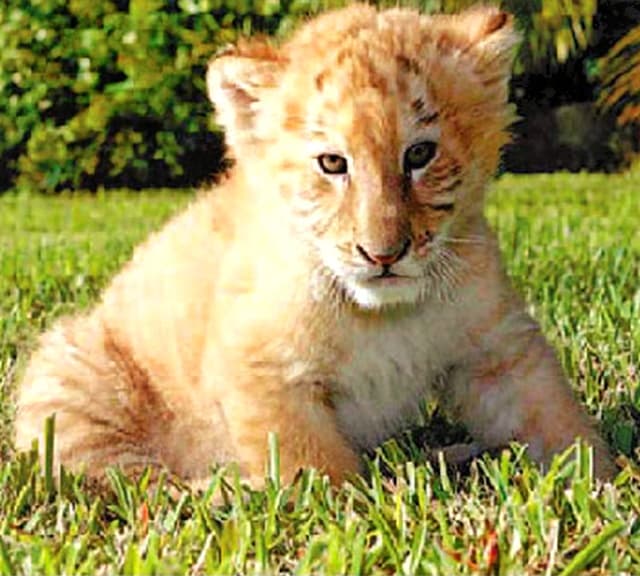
[321,307]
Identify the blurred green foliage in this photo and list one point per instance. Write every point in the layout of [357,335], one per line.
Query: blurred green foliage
[112,92]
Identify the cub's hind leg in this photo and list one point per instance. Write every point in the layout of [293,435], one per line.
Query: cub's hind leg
[105,410]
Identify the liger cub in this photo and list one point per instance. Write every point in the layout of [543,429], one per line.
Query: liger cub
[340,274]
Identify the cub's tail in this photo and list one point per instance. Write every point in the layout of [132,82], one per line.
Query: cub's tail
[101,399]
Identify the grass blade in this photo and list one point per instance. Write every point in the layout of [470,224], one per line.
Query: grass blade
[592,550]
[49,432]
[5,562]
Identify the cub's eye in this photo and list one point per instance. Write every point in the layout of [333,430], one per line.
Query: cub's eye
[332,163]
[419,155]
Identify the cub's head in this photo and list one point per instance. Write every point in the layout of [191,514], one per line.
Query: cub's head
[380,130]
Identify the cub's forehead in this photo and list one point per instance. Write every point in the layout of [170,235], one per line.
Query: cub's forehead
[359,47]
[367,69]
[360,25]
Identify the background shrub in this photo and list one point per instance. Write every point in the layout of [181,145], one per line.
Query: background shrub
[96,93]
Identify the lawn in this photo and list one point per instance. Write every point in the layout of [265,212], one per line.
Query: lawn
[572,246]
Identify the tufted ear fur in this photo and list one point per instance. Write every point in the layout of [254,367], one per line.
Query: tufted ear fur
[237,82]
[487,35]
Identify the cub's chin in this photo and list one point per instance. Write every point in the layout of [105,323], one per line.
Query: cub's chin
[380,291]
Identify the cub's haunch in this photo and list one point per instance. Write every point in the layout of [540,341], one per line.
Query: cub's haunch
[341,273]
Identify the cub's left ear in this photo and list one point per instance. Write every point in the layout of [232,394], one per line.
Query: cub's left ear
[488,36]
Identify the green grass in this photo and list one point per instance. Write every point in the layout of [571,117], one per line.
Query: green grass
[572,246]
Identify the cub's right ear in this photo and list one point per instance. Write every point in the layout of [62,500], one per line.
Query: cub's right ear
[237,82]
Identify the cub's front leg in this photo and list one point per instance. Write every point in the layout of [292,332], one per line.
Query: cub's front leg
[303,419]
[514,389]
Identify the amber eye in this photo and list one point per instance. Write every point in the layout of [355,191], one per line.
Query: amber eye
[419,155]
[332,163]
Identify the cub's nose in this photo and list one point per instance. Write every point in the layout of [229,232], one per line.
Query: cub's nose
[386,258]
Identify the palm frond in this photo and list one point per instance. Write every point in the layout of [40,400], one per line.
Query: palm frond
[620,79]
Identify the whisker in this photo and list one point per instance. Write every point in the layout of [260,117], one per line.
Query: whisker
[325,286]
[443,274]
[465,240]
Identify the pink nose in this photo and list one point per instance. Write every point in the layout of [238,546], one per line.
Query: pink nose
[387,258]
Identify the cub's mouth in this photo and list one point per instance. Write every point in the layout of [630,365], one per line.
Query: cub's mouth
[374,284]
[387,273]
[388,276]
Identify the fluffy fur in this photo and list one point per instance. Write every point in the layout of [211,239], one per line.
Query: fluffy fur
[266,307]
